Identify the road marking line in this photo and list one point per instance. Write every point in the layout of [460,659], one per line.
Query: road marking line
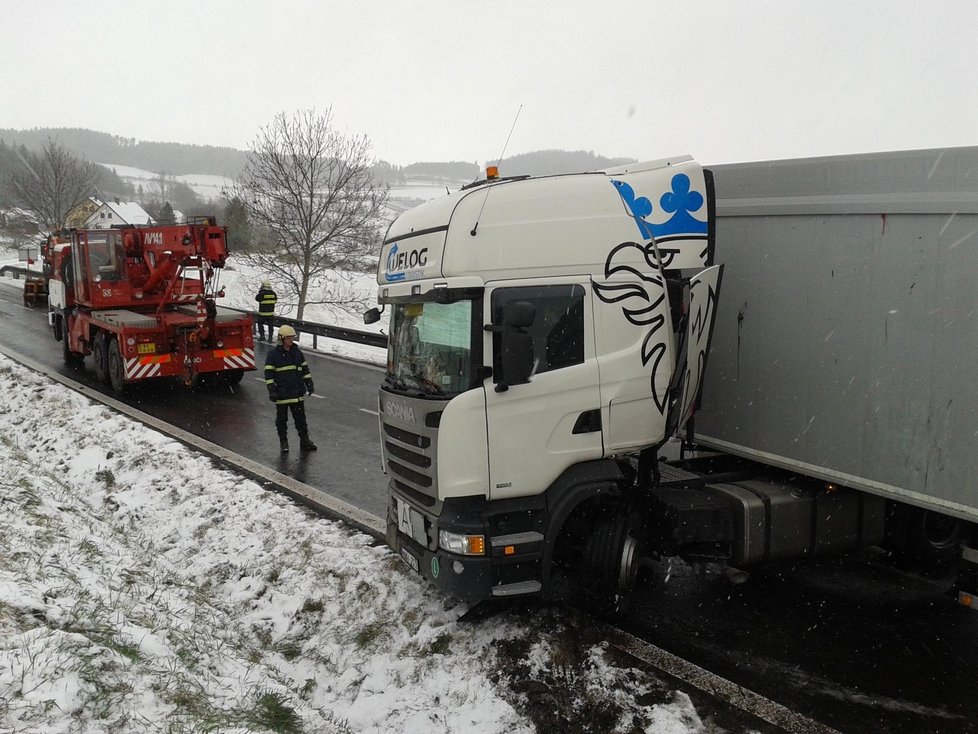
[715,686]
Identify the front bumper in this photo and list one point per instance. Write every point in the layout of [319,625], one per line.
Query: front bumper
[468,578]
[509,568]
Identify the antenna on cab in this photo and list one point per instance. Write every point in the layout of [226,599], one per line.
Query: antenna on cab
[492,172]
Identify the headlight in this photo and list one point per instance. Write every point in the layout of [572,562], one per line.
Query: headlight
[466,545]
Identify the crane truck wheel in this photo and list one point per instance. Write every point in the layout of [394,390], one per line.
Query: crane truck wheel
[72,359]
[100,357]
[610,564]
[115,367]
[233,377]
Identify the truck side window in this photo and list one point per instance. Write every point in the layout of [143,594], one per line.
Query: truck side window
[557,330]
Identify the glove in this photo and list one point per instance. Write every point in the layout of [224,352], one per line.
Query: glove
[272,394]
[309,386]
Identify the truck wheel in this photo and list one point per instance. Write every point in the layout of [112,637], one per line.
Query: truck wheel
[72,359]
[233,377]
[610,565]
[100,357]
[935,539]
[56,327]
[115,368]
[921,538]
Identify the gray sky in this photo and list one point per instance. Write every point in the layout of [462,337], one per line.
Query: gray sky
[443,79]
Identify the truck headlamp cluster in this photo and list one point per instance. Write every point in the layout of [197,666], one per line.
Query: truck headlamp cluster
[466,545]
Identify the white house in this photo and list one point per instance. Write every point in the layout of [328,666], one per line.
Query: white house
[112,213]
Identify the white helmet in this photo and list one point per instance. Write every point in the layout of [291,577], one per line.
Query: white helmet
[266,284]
[284,331]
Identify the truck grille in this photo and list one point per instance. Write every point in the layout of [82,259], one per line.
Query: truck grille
[408,461]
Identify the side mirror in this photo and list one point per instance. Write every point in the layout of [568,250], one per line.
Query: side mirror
[515,344]
[516,356]
[371,316]
[519,314]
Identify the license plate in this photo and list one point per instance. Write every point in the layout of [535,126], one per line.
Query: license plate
[411,522]
[410,560]
[146,349]
[404,518]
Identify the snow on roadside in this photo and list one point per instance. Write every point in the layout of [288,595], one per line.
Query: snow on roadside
[141,585]
[144,589]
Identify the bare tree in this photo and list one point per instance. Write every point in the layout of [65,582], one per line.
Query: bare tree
[163,186]
[52,182]
[311,187]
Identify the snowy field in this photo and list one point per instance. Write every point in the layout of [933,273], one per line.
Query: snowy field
[208,186]
[204,185]
[143,589]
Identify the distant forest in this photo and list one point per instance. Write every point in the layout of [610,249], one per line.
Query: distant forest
[173,158]
[180,158]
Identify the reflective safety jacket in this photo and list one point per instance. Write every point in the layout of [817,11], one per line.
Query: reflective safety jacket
[287,375]
[266,301]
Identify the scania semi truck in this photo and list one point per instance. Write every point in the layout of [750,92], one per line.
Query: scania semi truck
[737,365]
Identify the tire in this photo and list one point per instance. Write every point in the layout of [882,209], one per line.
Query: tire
[115,370]
[100,357]
[72,359]
[935,540]
[56,326]
[233,377]
[926,539]
[610,564]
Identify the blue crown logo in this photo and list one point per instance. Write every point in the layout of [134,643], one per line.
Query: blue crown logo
[679,202]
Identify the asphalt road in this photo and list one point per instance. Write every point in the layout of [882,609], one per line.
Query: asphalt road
[849,642]
[342,414]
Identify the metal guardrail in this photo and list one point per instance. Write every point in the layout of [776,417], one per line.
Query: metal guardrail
[18,271]
[367,338]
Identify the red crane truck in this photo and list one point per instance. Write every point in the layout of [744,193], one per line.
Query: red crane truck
[141,301]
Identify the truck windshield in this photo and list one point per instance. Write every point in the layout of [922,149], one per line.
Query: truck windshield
[430,348]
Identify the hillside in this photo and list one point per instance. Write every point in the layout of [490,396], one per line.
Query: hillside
[182,159]
[175,158]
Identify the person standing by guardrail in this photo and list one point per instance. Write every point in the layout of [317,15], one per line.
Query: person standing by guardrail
[287,378]
[266,299]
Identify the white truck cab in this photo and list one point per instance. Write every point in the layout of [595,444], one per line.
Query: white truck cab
[539,328]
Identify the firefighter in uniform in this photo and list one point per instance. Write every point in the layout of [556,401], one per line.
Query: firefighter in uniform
[288,379]
[266,309]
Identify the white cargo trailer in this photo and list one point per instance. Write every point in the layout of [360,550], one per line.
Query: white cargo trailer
[549,335]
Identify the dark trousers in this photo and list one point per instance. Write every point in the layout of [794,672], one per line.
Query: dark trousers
[262,322]
[298,417]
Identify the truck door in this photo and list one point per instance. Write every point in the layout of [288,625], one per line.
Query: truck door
[538,429]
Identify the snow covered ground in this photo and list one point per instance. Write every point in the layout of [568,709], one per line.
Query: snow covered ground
[144,589]
[206,186]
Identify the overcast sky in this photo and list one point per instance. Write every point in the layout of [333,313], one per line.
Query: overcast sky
[444,79]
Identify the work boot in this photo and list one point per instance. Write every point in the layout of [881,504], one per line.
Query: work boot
[283,444]
[305,444]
